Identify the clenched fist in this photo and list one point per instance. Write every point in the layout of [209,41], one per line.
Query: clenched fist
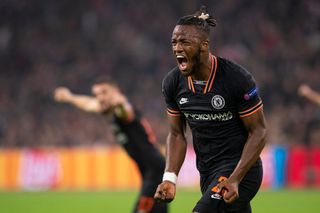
[62,94]
[166,192]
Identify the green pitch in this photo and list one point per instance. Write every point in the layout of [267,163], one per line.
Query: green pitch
[282,201]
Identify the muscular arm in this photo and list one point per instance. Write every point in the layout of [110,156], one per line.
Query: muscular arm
[115,101]
[256,126]
[176,144]
[175,154]
[83,102]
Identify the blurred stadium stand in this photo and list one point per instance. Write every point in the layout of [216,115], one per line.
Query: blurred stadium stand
[45,44]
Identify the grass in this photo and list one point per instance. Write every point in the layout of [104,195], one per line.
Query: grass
[282,201]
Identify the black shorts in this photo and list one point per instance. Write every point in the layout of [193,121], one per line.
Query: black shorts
[249,186]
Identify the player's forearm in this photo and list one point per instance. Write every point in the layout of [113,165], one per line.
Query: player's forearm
[251,152]
[313,96]
[175,152]
[85,103]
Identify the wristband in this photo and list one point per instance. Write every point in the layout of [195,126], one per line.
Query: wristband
[170,176]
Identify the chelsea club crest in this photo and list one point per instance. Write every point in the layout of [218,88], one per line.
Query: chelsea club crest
[217,102]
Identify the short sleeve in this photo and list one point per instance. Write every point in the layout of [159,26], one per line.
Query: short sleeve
[169,95]
[249,101]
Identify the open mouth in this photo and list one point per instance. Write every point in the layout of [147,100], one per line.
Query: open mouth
[182,62]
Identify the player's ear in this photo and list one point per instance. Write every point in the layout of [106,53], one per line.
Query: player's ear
[205,45]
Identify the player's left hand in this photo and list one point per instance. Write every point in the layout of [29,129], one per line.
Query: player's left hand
[229,190]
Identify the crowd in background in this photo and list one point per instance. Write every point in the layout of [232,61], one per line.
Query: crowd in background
[45,44]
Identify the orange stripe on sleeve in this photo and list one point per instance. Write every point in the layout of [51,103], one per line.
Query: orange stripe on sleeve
[248,110]
[172,112]
[174,115]
[254,111]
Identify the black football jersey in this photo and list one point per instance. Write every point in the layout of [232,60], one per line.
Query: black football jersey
[213,110]
[138,139]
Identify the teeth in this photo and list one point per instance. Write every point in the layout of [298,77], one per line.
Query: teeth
[180,56]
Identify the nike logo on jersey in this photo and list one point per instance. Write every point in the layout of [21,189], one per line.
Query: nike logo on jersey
[183,100]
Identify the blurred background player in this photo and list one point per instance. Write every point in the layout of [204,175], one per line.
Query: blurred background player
[220,102]
[312,132]
[307,92]
[132,132]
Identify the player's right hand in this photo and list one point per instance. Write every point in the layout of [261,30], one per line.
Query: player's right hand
[304,90]
[166,192]
[62,94]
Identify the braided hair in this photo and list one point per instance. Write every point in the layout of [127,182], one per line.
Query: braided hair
[201,19]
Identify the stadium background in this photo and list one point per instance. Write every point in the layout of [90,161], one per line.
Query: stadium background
[45,44]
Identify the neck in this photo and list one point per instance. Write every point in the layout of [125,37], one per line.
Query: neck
[204,68]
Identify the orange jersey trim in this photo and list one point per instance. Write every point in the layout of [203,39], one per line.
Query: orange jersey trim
[212,74]
[190,84]
[250,113]
[173,112]
[174,115]
[214,65]
[248,110]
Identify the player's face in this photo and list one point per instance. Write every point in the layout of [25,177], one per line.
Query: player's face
[186,47]
[104,93]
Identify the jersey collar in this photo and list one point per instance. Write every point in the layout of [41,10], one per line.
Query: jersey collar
[208,87]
